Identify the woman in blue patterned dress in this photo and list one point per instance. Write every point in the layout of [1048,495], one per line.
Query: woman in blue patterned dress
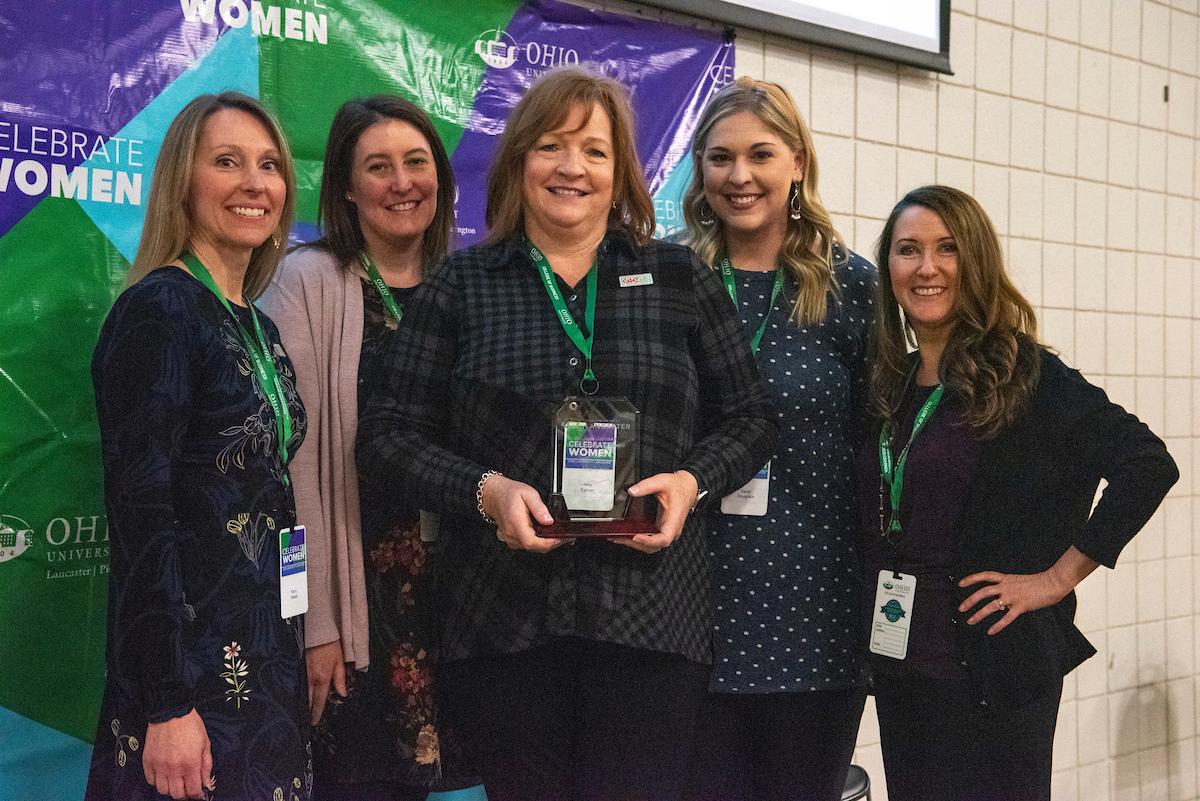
[786,691]
[198,413]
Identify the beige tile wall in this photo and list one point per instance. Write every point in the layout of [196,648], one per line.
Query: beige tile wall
[1055,120]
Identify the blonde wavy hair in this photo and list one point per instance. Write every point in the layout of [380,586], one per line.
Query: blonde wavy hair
[992,360]
[167,231]
[807,251]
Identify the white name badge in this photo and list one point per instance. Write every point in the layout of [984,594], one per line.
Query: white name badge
[892,615]
[751,499]
[641,279]
[589,467]
[293,572]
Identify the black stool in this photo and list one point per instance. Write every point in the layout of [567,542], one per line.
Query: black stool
[858,785]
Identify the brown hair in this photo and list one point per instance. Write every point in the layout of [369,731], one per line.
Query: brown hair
[992,358]
[337,217]
[807,251]
[167,230]
[546,106]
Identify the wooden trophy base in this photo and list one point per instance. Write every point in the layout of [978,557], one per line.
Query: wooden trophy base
[637,520]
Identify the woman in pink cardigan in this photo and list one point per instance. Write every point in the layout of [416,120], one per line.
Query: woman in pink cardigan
[386,210]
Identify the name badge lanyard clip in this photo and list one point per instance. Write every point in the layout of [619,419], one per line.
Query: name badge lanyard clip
[589,384]
[259,352]
[891,471]
[731,289]
[385,293]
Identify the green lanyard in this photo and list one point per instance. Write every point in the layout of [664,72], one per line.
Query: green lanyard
[893,473]
[385,294]
[260,356]
[588,384]
[731,288]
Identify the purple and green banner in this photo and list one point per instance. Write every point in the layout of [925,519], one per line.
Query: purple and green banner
[87,92]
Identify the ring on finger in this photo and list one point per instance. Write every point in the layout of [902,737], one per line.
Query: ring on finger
[1000,604]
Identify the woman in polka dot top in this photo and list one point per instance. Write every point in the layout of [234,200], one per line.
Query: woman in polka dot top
[787,686]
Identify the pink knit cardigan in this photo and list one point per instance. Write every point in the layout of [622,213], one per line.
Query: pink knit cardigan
[317,305]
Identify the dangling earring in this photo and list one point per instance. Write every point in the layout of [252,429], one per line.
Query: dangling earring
[276,240]
[910,336]
[706,215]
[795,203]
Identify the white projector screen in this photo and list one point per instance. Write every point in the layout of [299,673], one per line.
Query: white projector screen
[915,32]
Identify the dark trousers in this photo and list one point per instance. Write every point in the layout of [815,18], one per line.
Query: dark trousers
[775,747]
[576,719]
[941,744]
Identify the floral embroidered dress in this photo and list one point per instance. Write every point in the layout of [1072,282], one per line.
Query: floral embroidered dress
[196,499]
[384,735]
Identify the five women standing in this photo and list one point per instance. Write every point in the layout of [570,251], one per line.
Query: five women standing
[580,671]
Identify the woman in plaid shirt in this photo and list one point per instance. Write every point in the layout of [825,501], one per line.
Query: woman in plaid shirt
[573,669]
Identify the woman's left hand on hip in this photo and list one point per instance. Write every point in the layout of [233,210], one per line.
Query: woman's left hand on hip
[1014,594]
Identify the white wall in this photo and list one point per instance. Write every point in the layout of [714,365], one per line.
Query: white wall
[1055,121]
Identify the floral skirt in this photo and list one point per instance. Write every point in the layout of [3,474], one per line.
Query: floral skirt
[386,728]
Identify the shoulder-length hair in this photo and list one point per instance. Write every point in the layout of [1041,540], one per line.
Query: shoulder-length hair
[545,107]
[807,252]
[167,230]
[337,217]
[992,359]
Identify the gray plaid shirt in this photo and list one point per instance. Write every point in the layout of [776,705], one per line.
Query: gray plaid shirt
[470,383]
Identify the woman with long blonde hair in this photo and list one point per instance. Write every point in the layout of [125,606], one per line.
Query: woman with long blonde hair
[199,417]
[786,691]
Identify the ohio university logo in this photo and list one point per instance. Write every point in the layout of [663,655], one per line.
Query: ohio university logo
[496,48]
[499,50]
[15,537]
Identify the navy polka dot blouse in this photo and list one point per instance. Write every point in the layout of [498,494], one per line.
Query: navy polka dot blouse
[785,585]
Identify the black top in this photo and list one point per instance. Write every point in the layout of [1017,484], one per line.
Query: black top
[470,383]
[386,729]
[938,473]
[377,330]
[1030,500]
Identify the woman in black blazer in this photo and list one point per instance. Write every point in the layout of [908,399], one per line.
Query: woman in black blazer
[977,528]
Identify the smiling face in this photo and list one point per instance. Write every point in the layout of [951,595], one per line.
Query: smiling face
[393,183]
[923,264]
[748,172]
[567,188]
[237,187]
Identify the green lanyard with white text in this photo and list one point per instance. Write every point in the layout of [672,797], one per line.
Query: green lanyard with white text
[584,344]
[893,473]
[385,293]
[731,288]
[260,357]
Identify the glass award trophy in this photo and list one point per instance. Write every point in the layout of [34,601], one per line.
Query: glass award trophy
[596,460]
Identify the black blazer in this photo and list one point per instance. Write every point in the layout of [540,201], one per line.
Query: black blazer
[1030,500]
